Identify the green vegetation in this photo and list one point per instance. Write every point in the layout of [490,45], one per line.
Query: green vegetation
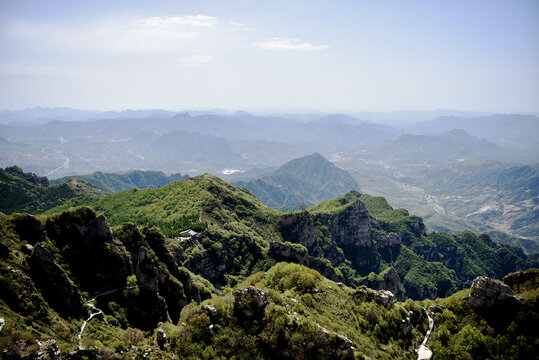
[115,182]
[26,192]
[301,182]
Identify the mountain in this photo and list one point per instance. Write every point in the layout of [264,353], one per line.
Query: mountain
[73,287]
[451,146]
[113,182]
[345,239]
[304,181]
[27,192]
[514,130]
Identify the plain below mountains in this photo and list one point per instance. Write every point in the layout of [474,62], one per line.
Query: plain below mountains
[301,182]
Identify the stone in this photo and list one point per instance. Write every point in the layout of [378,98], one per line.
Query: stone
[2,323]
[382,297]
[161,338]
[212,310]
[250,302]
[488,293]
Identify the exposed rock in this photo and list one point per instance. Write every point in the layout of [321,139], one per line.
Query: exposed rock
[29,228]
[145,270]
[250,302]
[390,281]
[27,249]
[299,228]
[48,351]
[487,293]
[382,297]
[96,261]
[212,310]
[161,338]
[56,287]
[405,326]
[2,323]
[30,177]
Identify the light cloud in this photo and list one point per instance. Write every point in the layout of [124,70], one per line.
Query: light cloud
[196,60]
[278,43]
[171,22]
[161,35]
[238,26]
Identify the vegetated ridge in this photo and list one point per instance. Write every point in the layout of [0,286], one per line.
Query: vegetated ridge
[300,182]
[114,182]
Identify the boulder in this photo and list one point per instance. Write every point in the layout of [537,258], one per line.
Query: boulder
[382,297]
[487,293]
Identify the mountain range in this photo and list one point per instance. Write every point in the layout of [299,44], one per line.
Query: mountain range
[127,280]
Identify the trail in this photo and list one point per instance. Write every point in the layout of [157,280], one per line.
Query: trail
[424,352]
[98,312]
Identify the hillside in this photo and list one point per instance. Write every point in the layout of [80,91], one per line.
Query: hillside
[72,288]
[115,182]
[27,192]
[345,239]
[304,181]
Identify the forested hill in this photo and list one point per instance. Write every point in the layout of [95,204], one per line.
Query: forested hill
[27,192]
[345,239]
[114,182]
[304,182]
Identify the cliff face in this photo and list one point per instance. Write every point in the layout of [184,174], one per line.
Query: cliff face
[348,235]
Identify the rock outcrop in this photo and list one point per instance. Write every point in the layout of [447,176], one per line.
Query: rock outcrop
[388,280]
[96,261]
[382,297]
[488,293]
[250,302]
[59,291]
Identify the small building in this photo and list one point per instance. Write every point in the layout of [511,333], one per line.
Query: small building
[188,233]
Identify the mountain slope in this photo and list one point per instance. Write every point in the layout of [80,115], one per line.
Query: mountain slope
[307,180]
[114,182]
[346,239]
[72,288]
[27,192]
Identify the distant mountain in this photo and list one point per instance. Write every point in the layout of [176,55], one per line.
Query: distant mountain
[41,115]
[451,146]
[307,180]
[513,130]
[27,192]
[114,182]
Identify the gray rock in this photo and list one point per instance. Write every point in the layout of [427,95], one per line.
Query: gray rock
[487,293]
[2,323]
[382,297]
[212,310]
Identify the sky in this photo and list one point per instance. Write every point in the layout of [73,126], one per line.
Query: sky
[345,56]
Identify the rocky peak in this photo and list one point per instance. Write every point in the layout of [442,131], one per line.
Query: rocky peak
[487,293]
[57,288]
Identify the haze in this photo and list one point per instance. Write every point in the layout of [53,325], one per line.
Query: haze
[341,56]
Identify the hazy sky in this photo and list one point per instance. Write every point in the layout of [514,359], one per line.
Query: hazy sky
[318,55]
